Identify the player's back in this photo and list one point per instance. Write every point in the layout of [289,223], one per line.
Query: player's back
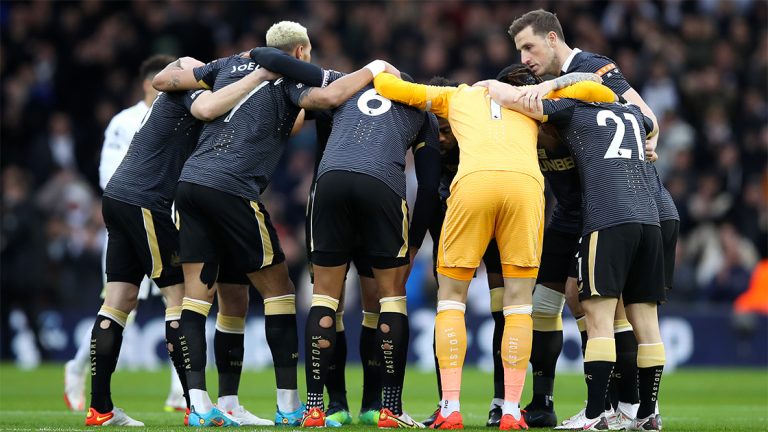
[239,151]
[148,174]
[492,138]
[371,135]
[606,141]
[559,169]
[117,138]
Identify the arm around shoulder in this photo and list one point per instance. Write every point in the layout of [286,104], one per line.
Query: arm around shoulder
[178,75]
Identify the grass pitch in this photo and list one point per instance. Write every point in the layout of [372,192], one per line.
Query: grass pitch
[691,400]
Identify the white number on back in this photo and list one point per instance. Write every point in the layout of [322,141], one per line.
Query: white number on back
[495,110]
[614,150]
[242,101]
[371,95]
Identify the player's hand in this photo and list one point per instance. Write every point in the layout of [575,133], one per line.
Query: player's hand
[266,74]
[651,155]
[391,69]
[188,63]
[530,96]
[650,148]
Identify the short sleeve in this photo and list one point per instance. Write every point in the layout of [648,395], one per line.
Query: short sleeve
[189,98]
[330,76]
[294,90]
[608,71]
[206,74]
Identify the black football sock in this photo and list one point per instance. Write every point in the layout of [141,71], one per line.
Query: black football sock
[498,366]
[193,344]
[544,353]
[600,358]
[626,367]
[319,344]
[437,370]
[106,339]
[229,348]
[369,356]
[335,382]
[172,340]
[283,340]
[392,336]
[650,362]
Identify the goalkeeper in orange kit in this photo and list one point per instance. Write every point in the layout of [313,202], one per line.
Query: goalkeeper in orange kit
[497,193]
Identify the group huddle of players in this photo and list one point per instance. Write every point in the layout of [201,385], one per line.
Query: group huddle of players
[189,191]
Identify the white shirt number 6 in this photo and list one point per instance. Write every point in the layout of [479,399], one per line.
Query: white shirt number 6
[365,98]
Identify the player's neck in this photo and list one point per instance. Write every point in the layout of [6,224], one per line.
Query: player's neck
[562,52]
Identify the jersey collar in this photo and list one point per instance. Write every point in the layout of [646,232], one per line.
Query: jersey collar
[568,61]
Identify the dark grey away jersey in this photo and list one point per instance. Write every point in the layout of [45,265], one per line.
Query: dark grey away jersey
[148,174]
[614,79]
[607,143]
[371,136]
[239,151]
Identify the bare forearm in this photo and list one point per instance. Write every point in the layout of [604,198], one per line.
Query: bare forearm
[178,75]
[337,92]
[507,96]
[632,96]
[503,93]
[570,79]
[210,105]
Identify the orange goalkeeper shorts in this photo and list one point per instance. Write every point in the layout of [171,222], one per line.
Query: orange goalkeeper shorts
[505,205]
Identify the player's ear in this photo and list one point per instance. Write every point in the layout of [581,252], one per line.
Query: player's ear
[551,39]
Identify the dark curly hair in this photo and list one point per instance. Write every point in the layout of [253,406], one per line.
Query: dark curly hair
[518,75]
[442,82]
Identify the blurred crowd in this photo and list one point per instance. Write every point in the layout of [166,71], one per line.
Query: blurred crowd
[68,67]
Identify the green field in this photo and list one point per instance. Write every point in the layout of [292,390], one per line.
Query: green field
[691,400]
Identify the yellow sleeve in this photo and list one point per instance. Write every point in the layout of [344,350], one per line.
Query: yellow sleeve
[587,91]
[428,98]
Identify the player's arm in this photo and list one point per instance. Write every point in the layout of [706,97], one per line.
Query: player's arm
[179,75]
[509,97]
[587,91]
[280,62]
[299,123]
[209,105]
[613,78]
[336,93]
[429,98]
[531,96]
[426,157]
[633,97]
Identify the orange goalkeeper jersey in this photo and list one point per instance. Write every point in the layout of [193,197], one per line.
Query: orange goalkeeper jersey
[490,137]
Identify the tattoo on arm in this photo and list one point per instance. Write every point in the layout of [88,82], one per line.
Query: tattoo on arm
[176,64]
[174,82]
[572,78]
[304,95]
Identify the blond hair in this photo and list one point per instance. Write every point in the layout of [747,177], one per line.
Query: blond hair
[286,35]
